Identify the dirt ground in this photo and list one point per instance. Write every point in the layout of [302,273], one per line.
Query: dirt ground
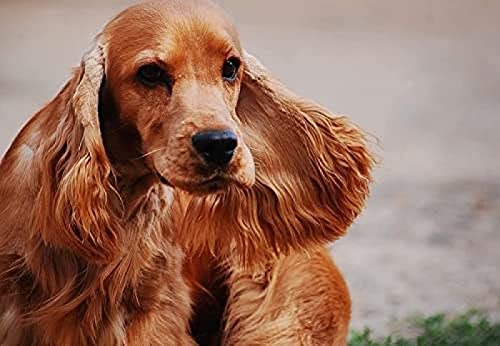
[422,76]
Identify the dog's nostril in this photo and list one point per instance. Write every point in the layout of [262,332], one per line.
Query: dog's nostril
[216,147]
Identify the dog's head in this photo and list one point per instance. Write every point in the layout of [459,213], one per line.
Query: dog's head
[173,73]
[257,170]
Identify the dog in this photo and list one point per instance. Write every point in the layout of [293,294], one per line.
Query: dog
[175,193]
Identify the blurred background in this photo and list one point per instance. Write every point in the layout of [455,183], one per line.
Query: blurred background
[423,76]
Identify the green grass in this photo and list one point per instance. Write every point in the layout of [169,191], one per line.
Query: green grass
[471,329]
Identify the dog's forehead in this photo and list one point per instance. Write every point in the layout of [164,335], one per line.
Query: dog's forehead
[175,25]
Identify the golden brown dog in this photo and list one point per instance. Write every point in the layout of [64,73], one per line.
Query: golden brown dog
[175,193]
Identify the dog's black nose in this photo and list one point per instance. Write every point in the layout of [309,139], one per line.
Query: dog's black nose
[216,147]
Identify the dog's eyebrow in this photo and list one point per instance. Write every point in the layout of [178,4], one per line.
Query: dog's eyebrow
[150,56]
[232,51]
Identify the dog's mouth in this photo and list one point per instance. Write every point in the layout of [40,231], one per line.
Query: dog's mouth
[204,179]
[215,184]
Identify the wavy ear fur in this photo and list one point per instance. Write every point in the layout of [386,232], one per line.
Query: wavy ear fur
[313,175]
[73,207]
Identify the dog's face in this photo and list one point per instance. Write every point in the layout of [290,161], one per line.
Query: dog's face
[174,74]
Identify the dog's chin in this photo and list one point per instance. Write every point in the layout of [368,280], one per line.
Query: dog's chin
[217,184]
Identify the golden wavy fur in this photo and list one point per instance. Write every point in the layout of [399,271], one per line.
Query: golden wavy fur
[114,230]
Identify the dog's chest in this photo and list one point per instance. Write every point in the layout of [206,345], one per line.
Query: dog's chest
[207,283]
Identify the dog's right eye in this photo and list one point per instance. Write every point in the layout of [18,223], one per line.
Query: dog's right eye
[151,75]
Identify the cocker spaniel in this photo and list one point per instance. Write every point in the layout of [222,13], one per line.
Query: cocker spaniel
[175,193]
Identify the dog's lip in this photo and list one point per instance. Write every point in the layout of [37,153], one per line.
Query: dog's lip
[216,184]
[214,180]
[213,184]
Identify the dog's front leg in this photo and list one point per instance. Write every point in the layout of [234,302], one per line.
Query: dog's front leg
[298,300]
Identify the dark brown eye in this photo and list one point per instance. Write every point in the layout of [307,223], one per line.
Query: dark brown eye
[151,75]
[230,69]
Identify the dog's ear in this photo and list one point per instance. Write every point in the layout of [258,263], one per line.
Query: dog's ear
[74,202]
[312,176]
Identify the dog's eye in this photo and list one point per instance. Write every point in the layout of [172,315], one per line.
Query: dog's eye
[230,69]
[151,75]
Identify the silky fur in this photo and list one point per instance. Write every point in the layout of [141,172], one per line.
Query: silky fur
[112,231]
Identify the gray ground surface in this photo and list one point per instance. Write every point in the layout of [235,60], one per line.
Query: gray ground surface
[423,76]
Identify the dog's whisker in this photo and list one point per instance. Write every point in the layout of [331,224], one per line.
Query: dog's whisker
[151,152]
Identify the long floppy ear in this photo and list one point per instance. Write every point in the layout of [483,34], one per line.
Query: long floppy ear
[73,207]
[312,177]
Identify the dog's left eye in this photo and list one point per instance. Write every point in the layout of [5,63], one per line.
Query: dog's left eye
[151,75]
[230,69]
